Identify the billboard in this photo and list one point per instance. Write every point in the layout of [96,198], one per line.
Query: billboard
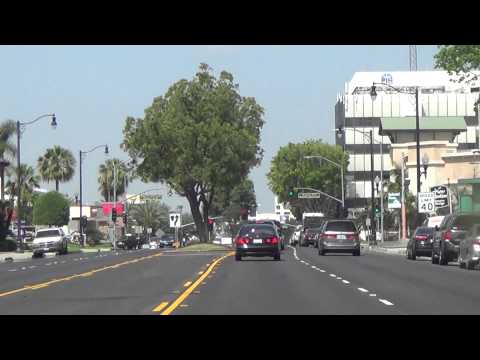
[75,211]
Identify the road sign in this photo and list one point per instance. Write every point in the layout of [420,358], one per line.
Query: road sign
[426,202]
[441,196]
[394,201]
[309,195]
[149,230]
[175,220]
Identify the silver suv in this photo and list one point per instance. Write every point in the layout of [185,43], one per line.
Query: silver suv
[49,240]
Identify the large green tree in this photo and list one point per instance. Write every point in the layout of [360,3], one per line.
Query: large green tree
[230,202]
[51,208]
[58,164]
[461,60]
[201,136]
[106,178]
[289,169]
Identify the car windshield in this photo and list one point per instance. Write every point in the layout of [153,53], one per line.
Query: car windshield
[168,237]
[342,226]
[47,233]
[257,230]
[465,222]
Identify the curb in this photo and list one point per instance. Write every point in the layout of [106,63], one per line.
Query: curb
[391,251]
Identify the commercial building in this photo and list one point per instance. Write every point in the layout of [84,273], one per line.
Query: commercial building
[442,103]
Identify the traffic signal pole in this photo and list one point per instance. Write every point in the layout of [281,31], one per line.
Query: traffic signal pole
[114,204]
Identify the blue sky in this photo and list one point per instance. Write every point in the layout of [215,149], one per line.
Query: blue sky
[92,89]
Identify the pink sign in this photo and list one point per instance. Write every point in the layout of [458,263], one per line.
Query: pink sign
[107,208]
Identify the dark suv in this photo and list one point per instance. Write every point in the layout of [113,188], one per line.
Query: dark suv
[448,235]
[421,243]
[257,240]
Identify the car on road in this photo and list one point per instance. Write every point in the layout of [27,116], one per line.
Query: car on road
[257,240]
[339,236]
[167,240]
[309,236]
[421,243]
[452,230]
[49,240]
[469,252]
[278,227]
[295,237]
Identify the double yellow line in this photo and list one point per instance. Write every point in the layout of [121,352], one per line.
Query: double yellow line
[187,292]
[85,274]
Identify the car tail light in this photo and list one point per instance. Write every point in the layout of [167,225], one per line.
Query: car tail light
[242,240]
[274,240]
[330,236]
[421,237]
[352,237]
[447,235]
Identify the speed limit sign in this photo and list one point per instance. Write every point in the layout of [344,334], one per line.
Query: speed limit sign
[426,202]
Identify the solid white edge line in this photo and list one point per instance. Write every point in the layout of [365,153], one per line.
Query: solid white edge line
[346,281]
[322,270]
[363,290]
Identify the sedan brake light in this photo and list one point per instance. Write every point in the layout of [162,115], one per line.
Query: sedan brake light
[421,237]
[329,236]
[241,240]
[447,235]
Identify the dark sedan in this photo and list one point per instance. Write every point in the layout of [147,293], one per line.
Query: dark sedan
[257,240]
[421,243]
[167,240]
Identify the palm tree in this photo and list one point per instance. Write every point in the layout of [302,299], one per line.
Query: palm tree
[105,178]
[150,214]
[58,164]
[7,149]
[28,182]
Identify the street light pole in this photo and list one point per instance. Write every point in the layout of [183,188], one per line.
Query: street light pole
[19,173]
[372,221]
[114,203]
[417,136]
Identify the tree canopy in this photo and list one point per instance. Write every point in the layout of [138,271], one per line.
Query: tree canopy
[230,202]
[201,136]
[290,169]
[58,164]
[105,178]
[460,60]
[51,208]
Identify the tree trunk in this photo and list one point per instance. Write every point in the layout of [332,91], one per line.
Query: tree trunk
[2,174]
[197,215]
[57,185]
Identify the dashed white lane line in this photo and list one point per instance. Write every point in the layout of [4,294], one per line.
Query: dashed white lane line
[333,275]
[321,270]
[32,267]
[373,294]
[339,278]
[386,302]
[314,267]
[63,262]
[12,270]
[363,290]
[48,264]
[346,281]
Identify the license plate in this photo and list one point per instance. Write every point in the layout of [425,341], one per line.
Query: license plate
[45,249]
[341,237]
[422,242]
[257,241]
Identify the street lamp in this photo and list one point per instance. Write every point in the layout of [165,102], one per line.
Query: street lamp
[20,128]
[341,173]
[81,198]
[373,95]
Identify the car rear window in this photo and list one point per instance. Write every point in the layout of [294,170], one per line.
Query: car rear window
[48,233]
[257,230]
[424,231]
[344,226]
[466,222]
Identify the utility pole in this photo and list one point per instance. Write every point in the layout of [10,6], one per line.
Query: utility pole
[404,222]
[413,57]
[372,222]
[114,203]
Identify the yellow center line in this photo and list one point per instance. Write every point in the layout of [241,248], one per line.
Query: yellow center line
[188,291]
[53,281]
[161,306]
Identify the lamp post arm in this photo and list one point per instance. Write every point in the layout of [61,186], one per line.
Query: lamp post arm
[95,148]
[38,118]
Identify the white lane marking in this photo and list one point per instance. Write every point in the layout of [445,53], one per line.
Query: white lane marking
[56,262]
[33,266]
[339,278]
[333,275]
[322,270]
[63,262]
[24,268]
[307,264]
[346,281]
[314,267]
[363,290]
[303,262]
[12,270]
[75,259]
[386,302]
[373,294]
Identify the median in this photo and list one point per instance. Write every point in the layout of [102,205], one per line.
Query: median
[204,247]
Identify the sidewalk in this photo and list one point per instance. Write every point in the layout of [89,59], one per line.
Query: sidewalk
[398,247]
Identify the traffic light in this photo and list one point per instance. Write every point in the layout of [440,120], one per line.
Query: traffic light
[210,224]
[291,192]
[114,215]
[377,212]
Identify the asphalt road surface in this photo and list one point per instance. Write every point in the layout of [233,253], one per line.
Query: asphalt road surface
[179,283]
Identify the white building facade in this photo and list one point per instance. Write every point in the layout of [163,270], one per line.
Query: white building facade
[358,114]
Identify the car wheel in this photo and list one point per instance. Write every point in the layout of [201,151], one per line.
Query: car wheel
[434,258]
[321,251]
[413,254]
[356,253]
[276,257]
[461,264]
[408,253]
[470,265]
[238,257]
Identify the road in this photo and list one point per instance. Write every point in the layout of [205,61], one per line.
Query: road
[182,283]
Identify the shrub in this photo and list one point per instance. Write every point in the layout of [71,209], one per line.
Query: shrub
[8,245]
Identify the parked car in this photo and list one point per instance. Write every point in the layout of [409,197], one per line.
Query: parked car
[339,236]
[295,237]
[49,240]
[257,240]
[167,240]
[449,234]
[469,252]
[421,243]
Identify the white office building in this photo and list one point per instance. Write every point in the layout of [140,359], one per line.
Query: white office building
[358,114]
